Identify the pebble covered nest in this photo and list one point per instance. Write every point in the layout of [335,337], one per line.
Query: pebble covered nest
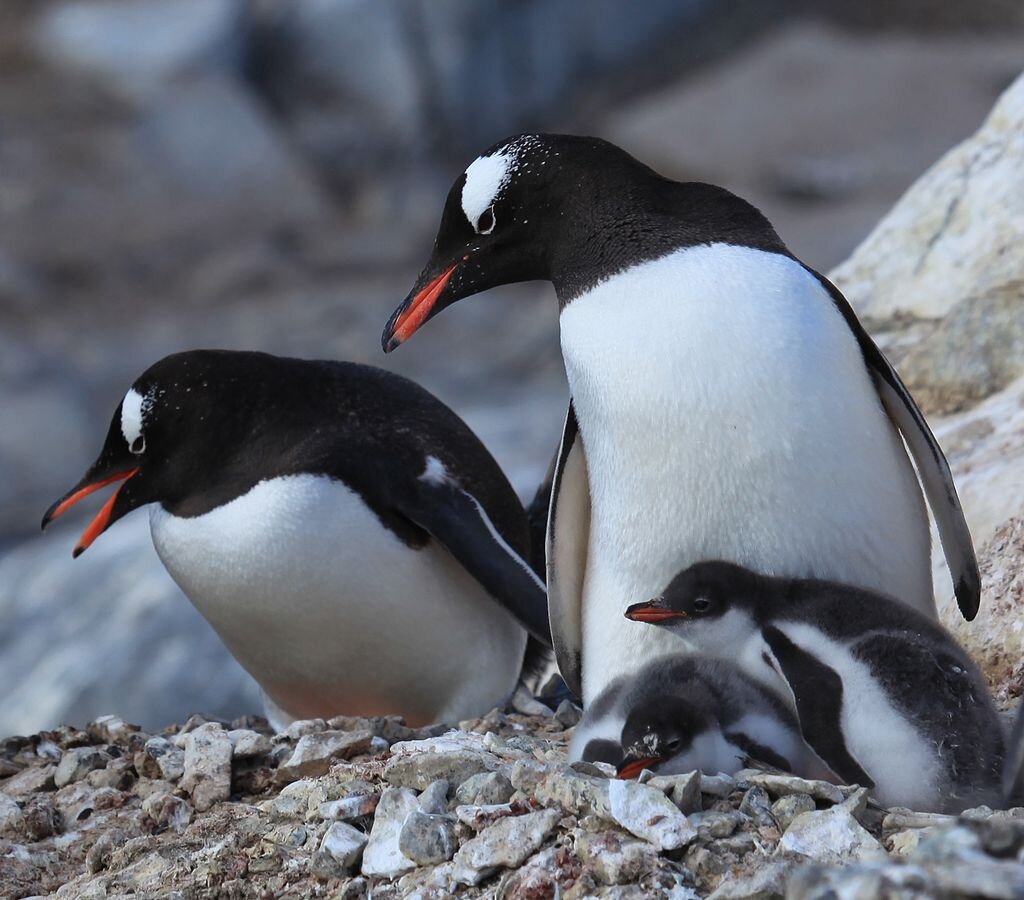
[356,807]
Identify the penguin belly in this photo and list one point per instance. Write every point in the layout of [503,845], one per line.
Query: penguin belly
[333,614]
[726,413]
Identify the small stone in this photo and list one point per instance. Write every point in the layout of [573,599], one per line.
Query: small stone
[580,795]
[77,762]
[110,730]
[739,844]
[484,789]
[383,856]
[904,843]
[649,814]
[783,785]
[479,817]
[768,880]
[207,772]
[40,818]
[301,727]
[831,836]
[246,744]
[316,751]
[508,843]
[568,714]
[614,858]
[434,799]
[527,774]
[713,824]
[525,703]
[720,785]
[950,844]
[428,838]
[98,857]
[11,817]
[905,818]
[159,758]
[353,889]
[167,812]
[119,775]
[344,844]
[419,770]
[787,808]
[683,790]
[756,805]
[353,807]
[548,874]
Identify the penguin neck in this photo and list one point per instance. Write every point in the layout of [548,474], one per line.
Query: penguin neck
[644,219]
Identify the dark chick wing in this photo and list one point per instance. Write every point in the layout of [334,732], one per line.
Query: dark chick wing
[818,692]
[441,506]
[566,551]
[932,467]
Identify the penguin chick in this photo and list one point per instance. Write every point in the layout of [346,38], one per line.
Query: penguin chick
[884,695]
[681,713]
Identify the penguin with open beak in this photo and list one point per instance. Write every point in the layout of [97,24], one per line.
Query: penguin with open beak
[349,538]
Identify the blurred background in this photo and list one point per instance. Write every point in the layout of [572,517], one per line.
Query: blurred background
[268,174]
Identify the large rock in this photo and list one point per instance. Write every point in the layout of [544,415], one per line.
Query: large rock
[995,638]
[986,451]
[956,233]
[975,351]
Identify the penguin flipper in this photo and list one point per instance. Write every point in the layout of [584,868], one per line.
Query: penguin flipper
[456,519]
[818,692]
[566,551]
[932,466]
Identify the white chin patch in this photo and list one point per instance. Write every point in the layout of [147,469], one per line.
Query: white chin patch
[132,409]
[485,178]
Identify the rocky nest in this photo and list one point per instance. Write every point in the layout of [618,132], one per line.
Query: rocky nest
[356,807]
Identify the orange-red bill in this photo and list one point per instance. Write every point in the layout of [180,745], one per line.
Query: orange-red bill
[417,312]
[97,526]
[652,614]
[64,505]
[634,767]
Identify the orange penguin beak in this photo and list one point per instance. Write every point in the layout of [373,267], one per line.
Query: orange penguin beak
[652,612]
[102,519]
[632,766]
[407,319]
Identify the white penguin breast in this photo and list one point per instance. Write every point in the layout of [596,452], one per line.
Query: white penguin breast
[726,412]
[316,598]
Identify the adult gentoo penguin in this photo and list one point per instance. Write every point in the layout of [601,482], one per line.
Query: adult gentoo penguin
[350,539]
[884,695]
[725,401]
[683,712]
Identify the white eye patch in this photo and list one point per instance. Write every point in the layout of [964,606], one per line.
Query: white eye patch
[133,409]
[485,178]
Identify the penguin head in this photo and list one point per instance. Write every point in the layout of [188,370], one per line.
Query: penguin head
[660,729]
[507,217]
[710,603]
[173,432]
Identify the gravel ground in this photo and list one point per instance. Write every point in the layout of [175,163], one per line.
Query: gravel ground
[354,808]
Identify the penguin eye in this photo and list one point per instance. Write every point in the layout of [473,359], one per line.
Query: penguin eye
[485,224]
[672,745]
[138,445]
[701,604]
